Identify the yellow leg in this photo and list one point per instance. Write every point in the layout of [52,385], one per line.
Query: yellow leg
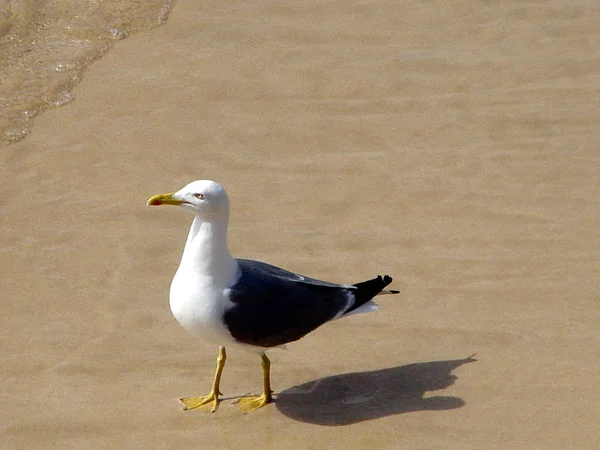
[253,402]
[212,399]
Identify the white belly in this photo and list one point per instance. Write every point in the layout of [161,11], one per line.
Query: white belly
[198,306]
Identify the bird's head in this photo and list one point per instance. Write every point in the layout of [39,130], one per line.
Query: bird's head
[206,198]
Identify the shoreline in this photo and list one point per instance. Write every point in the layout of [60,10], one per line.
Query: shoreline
[47,49]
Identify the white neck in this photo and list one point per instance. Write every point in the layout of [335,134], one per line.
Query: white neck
[206,251]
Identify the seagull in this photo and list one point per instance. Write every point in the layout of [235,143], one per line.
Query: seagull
[243,303]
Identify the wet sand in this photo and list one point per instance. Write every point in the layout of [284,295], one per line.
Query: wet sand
[45,45]
[454,147]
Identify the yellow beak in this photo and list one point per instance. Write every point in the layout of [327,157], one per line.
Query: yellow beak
[164,199]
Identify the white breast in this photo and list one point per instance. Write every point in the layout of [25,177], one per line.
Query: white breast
[198,305]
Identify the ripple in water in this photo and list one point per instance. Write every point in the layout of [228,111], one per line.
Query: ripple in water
[46,44]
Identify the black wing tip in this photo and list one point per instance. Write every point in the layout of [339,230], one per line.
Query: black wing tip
[386,279]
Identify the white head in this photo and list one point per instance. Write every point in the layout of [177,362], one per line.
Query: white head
[206,198]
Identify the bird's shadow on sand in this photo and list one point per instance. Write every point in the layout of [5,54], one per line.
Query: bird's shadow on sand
[355,397]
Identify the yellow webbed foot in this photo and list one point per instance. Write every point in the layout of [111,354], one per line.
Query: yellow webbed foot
[211,400]
[208,401]
[251,403]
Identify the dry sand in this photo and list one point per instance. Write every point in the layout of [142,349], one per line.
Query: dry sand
[451,145]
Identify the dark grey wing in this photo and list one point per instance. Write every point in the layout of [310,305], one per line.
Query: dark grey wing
[286,274]
[273,306]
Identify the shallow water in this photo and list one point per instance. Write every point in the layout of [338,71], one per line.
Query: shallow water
[45,45]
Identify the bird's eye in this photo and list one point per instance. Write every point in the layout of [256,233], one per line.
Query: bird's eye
[199,196]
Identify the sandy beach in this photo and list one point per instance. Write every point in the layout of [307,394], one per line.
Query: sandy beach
[453,146]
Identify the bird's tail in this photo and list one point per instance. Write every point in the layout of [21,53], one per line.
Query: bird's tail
[366,290]
[389,291]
